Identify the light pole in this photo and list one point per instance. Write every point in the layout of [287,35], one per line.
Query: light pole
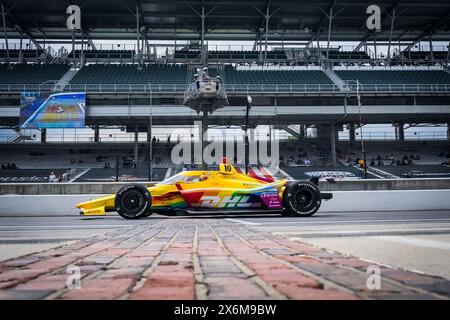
[363,151]
[247,110]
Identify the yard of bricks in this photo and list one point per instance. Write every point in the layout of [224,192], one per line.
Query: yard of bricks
[188,258]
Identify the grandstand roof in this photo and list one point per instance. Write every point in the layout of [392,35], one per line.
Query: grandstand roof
[230,19]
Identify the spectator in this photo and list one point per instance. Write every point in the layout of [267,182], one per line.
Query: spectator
[168,139]
[52,177]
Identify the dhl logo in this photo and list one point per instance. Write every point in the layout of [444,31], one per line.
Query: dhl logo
[236,201]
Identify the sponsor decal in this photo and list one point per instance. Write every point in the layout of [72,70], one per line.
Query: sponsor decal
[271,200]
[331,174]
[236,201]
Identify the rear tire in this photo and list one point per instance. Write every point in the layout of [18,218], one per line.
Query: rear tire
[301,199]
[133,201]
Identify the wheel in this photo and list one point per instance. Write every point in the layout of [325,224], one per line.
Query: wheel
[133,201]
[301,199]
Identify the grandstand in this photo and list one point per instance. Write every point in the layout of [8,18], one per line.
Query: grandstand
[28,74]
[131,74]
[407,76]
[258,77]
[300,78]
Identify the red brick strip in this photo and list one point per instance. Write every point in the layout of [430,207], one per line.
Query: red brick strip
[184,258]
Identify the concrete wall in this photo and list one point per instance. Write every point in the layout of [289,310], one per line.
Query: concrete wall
[111,187]
[28,199]
[343,201]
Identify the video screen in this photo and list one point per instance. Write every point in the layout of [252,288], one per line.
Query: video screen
[59,110]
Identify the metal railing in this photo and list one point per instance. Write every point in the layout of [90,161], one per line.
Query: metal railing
[391,136]
[234,88]
[161,138]
[397,88]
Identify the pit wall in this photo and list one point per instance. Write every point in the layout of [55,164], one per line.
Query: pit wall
[27,199]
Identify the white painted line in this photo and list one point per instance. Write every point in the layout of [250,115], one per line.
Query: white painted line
[357,232]
[168,172]
[417,242]
[73,226]
[243,222]
[301,222]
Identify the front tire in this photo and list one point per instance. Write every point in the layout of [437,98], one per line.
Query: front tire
[301,199]
[133,201]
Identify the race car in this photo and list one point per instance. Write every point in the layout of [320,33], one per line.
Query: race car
[222,191]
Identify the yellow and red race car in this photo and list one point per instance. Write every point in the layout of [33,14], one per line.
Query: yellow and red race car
[220,191]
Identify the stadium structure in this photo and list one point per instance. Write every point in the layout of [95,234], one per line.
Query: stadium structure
[312,69]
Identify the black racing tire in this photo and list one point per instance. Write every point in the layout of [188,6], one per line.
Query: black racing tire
[133,201]
[301,199]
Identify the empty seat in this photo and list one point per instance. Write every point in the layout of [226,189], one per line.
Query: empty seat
[233,76]
[130,74]
[31,73]
[395,77]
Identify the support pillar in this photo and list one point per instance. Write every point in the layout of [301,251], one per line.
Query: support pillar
[204,137]
[149,133]
[20,48]
[136,144]
[5,33]
[267,34]
[390,36]
[73,49]
[323,132]
[330,18]
[448,52]
[43,135]
[430,39]
[448,131]
[203,37]
[97,134]
[137,33]
[351,129]
[302,131]
[333,145]
[399,132]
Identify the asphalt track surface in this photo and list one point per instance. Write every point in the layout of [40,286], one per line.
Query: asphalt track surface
[411,240]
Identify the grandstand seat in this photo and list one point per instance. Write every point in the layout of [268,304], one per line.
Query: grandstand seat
[14,54]
[395,77]
[345,55]
[130,74]
[104,55]
[233,76]
[425,55]
[18,75]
